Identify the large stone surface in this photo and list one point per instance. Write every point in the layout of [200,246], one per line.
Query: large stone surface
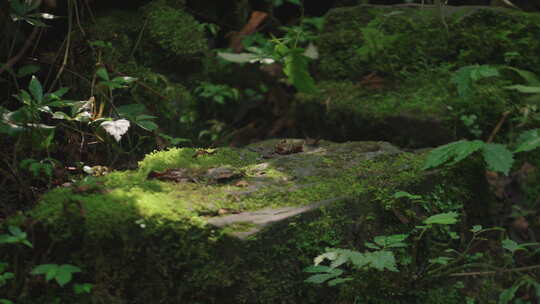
[237,225]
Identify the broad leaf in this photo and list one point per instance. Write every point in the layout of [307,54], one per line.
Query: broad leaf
[447,218]
[455,151]
[319,278]
[524,89]
[36,89]
[498,158]
[102,73]
[297,70]
[383,260]
[528,140]
[338,281]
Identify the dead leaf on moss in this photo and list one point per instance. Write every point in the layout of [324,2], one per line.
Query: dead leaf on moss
[373,81]
[179,175]
[202,152]
[241,183]
[284,148]
[222,174]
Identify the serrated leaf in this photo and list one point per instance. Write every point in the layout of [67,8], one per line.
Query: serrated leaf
[116,128]
[448,218]
[383,260]
[296,69]
[466,76]
[342,259]
[498,158]
[455,151]
[528,140]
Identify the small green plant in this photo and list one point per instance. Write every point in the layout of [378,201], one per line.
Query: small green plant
[498,157]
[62,274]
[381,257]
[28,120]
[294,50]
[218,93]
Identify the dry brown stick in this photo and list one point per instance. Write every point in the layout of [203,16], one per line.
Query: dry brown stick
[498,126]
[464,274]
[27,44]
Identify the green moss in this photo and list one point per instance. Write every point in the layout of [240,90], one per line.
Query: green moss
[174,30]
[128,230]
[422,110]
[467,36]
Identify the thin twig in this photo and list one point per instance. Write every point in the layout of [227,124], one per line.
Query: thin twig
[27,44]
[498,126]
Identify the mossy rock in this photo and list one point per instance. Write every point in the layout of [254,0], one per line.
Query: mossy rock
[421,111]
[405,38]
[139,239]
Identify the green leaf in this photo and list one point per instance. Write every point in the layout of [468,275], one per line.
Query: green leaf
[382,260]
[498,158]
[36,89]
[147,125]
[476,228]
[4,301]
[455,151]
[528,140]
[58,94]
[319,278]
[508,294]
[511,245]
[466,76]
[102,73]
[440,260]
[296,69]
[83,288]
[401,194]
[28,69]
[448,218]
[338,281]
[530,77]
[524,89]
[317,268]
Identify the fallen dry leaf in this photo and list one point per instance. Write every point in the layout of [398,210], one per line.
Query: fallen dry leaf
[241,183]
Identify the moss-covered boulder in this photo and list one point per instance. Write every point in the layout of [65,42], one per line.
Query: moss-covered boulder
[421,111]
[361,39]
[388,72]
[236,225]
